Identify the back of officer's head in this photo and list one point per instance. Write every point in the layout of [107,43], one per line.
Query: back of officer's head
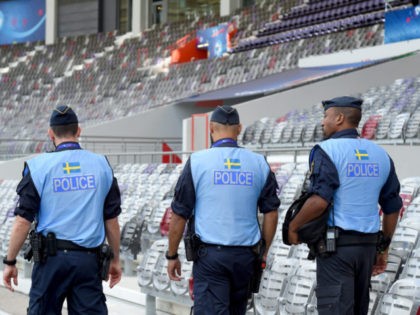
[225,115]
[64,122]
[350,107]
[224,123]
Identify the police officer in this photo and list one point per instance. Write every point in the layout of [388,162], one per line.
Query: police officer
[72,194]
[223,187]
[354,175]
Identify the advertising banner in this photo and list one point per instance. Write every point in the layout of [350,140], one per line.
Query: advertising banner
[214,39]
[402,24]
[22,21]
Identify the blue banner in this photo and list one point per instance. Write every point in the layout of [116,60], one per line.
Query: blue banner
[22,21]
[402,24]
[215,39]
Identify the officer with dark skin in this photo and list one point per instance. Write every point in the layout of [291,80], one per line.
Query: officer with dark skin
[354,175]
[223,187]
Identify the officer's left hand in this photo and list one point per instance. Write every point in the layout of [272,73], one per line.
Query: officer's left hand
[9,273]
[174,269]
[293,237]
[114,273]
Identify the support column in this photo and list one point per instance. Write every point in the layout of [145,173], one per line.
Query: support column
[140,15]
[228,6]
[51,7]
[150,305]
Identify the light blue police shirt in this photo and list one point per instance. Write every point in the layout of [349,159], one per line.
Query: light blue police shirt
[228,182]
[363,168]
[72,185]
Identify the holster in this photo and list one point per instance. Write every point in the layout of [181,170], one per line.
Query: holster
[346,238]
[105,256]
[259,266]
[37,245]
[318,249]
[40,247]
[192,241]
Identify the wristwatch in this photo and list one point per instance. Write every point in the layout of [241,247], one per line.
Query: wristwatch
[9,262]
[173,257]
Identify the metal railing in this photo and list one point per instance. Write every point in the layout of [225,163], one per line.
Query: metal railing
[149,150]
[14,148]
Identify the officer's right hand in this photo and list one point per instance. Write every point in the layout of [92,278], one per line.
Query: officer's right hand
[9,273]
[380,264]
[293,237]
[174,269]
[115,273]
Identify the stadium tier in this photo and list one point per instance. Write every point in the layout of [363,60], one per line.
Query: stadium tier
[124,75]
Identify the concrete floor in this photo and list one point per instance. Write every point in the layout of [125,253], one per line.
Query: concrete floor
[123,299]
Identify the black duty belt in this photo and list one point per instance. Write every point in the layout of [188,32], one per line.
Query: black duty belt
[357,239]
[68,245]
[225,246]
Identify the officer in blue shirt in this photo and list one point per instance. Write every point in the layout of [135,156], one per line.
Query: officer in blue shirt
[223,187]
[72,194]
[354,175]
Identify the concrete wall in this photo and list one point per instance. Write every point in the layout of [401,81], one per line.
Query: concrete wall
[361,54]
[162,122]
[12,169]
[406,159]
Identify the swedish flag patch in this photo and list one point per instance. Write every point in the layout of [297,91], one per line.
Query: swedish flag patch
[71,167]
[232,164]
[361,154]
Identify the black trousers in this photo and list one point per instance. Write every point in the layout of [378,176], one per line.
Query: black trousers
[73,275]
[221,280]
[343,280]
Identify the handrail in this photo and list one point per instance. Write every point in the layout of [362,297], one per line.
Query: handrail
[266,150]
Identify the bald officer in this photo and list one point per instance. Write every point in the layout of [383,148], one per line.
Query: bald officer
[354,175]
[72,194]
[223,187]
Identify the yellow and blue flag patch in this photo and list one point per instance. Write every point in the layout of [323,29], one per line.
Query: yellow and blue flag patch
[361,154]
[232,164]
[71,167]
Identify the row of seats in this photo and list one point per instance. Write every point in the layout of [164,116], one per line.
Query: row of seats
[397,119]
[317,6]
[315,17]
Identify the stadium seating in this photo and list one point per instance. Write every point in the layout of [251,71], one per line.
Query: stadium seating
[393,304]
[391,114]
[124,75]
[299,289]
